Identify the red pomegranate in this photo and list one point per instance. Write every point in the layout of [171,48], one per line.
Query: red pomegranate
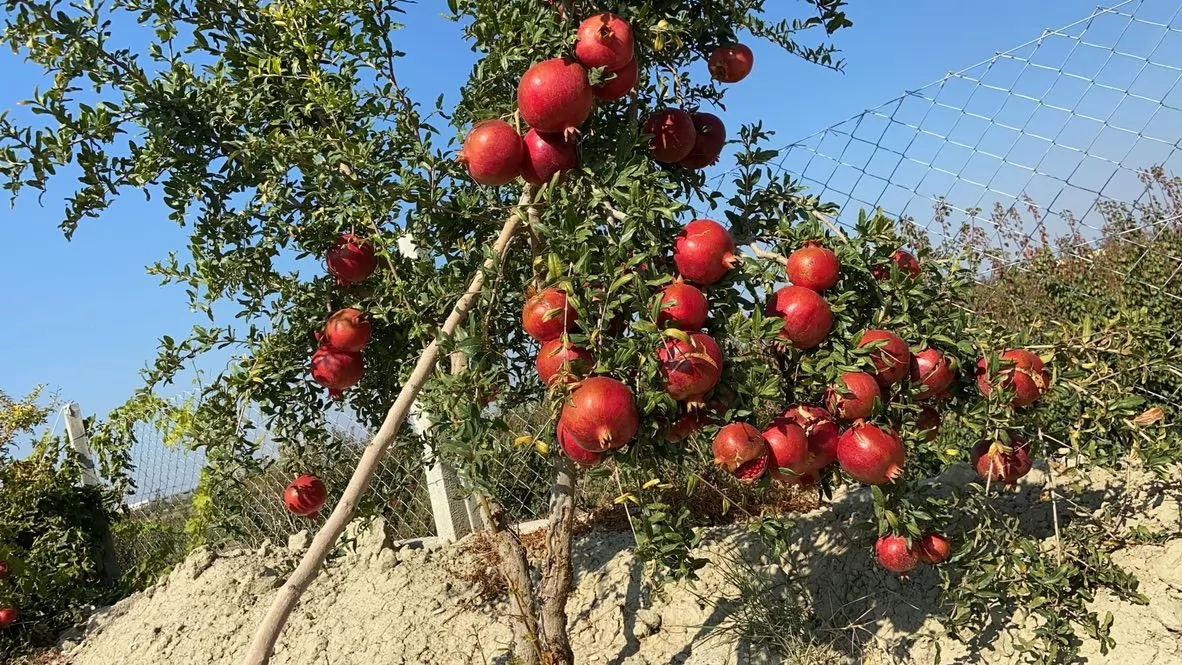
[928,423]
[547,315]
[492,152]
[619,82]
[578,455]
[8,616]
[604,40]
[348,330]
[336,370]
[682,306]
[807,317]
[905,260]
[933,372]
[896,555]
[1021,371]
[554,96]
[710,137]
[995,462]
[870,454]
[892,359]
[691,367]
[740,450]
[305,495]
[545,155]
[822,432]
[853,396]
[704,251]
[813,267]
[934,548]
[351,259]
[788,446]
[731,63]
[601,414]
[4,570]
[560,360]
[673,135]
[685,425]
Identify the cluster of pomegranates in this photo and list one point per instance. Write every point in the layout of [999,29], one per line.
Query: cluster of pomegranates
[8,615]
[898,556]
[555,97]
[337,363]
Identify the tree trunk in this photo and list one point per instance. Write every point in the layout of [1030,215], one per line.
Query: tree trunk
[514,568]
[556,572]
[261,647]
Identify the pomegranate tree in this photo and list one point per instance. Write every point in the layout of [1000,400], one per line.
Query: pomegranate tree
[611,205]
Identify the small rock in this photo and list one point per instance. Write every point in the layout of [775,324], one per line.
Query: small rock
[298,542]
[1169,613]
[650,620]
[200,561]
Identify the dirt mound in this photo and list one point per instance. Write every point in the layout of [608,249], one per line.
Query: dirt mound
[424,606]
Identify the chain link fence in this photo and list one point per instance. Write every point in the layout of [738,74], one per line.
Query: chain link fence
[1070,140]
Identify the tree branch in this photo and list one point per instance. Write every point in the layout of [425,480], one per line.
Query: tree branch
[261,647]
[556,571]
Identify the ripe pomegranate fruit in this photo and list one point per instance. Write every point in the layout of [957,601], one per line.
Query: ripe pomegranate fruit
[604,40]
[905,260]
[8,617]
[731,63]
[545,155]
[4,570]
[691,368]
[558,359]
[740,450]
[928,423]
[892,360]
[351,259]
[870,454]
[348,330]
[934,548]
[682,306]
[492,152]
[704,251]
[305,495]
[822,432]
[547,315]
[788,446]
[994,463]
[554,96]
[685,425]
[933,372]
[896,555]
[1021,371]
[807,317]
[601,414]
[853,396]
[619,82]
[813,267]
[710,137]
[580,456]
[336,370]
[672,135]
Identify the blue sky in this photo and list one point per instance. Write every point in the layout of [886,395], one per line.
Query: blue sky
[84,317]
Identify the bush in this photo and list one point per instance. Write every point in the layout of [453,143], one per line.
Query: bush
[54,536]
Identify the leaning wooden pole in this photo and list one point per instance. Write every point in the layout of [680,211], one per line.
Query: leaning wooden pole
[268,631]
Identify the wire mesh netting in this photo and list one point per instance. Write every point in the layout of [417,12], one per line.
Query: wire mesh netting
[1059,125]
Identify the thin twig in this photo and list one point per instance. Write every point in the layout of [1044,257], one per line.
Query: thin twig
[761,253]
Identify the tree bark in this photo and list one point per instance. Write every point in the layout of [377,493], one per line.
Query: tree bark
[514,568]
[556,572]
[263,644]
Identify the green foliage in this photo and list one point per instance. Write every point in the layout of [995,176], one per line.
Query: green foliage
[53,536]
